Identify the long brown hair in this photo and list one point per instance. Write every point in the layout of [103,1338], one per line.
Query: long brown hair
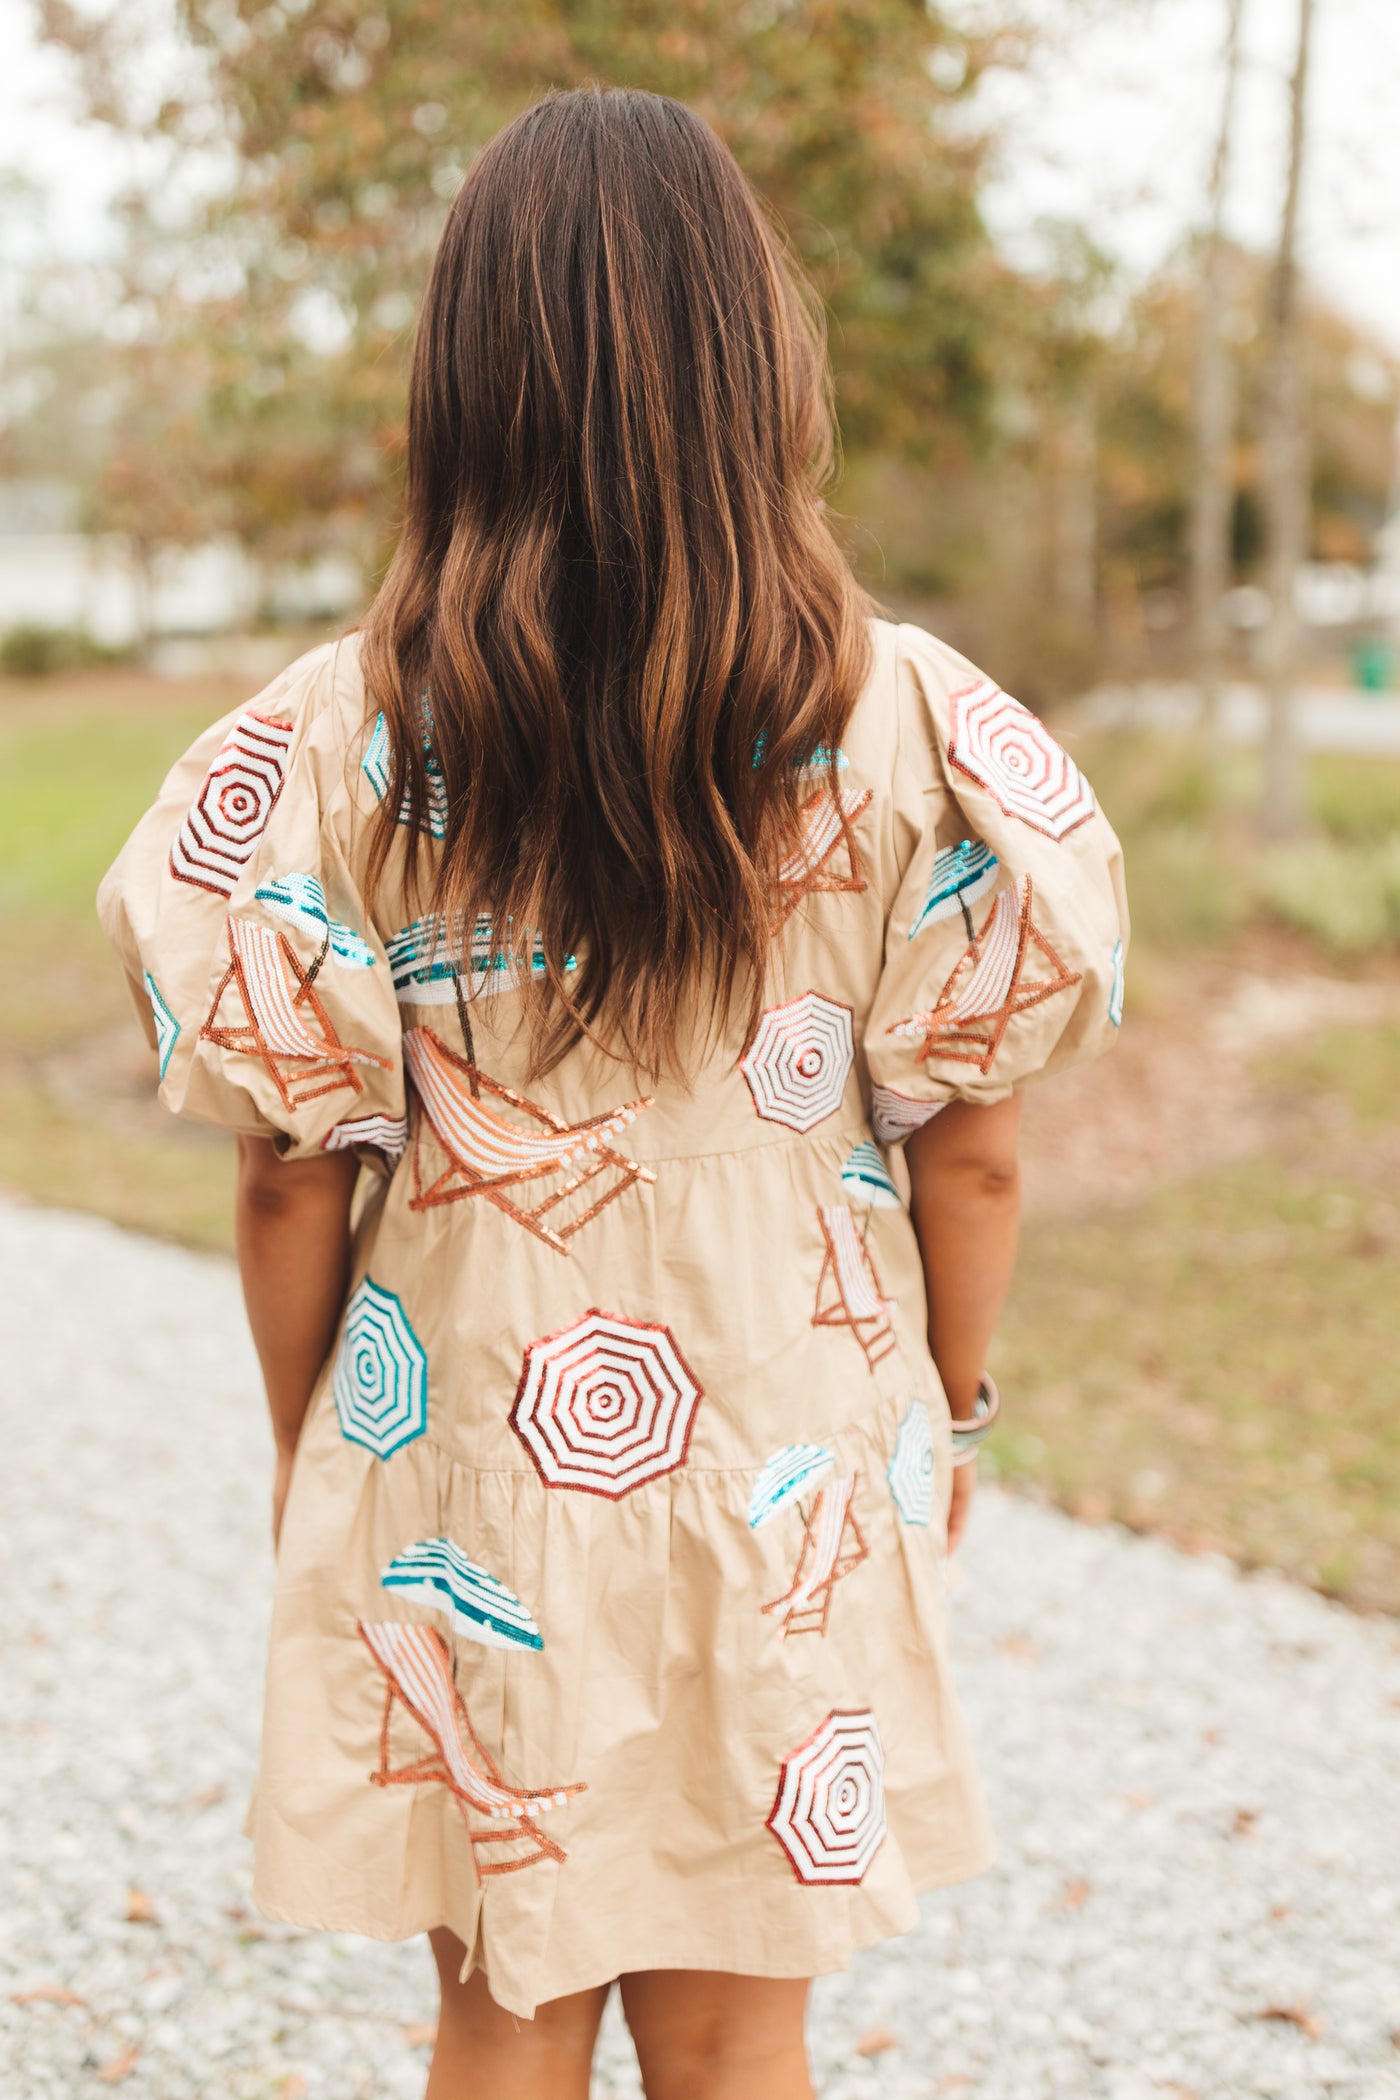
[617,622]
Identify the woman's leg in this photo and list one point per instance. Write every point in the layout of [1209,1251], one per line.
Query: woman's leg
[484,2053]
[715,2037]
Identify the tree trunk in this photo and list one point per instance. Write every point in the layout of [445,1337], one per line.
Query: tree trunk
[1076,522]
[1215,414]
[1286,491]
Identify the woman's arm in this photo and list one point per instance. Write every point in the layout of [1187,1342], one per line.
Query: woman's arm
[292,1229]
[966,1207]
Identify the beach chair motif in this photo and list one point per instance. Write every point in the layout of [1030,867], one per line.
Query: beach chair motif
[988,985]
[417,1669]
[486,1154]
[848,1289]
[825,857]
[283,1022]
[832,1548]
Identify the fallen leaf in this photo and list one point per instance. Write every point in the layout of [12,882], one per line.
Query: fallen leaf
[119,2067]
[875,2041]
[1296,2016]
[1179,2092]
[207,1796]
[1281,1911]
[139,1908]
[293,2086]
[1137,1802]
[1076,1895]
[421,2037]
[47,1994]
[1245,1820]
[952,2083]
[1018,1647]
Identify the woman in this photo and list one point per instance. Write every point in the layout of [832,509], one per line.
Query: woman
[612,915]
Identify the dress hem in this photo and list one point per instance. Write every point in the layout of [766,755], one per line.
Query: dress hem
[963,1867]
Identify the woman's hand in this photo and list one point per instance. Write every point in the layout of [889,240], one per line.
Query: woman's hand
[964,1487]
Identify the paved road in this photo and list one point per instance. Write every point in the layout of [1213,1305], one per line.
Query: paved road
[1328,720]
[1195,1777]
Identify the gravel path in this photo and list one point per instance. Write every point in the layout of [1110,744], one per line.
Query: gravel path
[1195,1776]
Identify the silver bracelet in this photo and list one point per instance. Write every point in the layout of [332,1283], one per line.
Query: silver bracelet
[969,1434]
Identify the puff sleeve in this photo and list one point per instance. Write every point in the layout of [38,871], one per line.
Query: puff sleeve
[236,908]
[1006,938]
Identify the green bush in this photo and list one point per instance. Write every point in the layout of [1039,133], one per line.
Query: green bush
[32,651]
[1346,896]
[1355,799]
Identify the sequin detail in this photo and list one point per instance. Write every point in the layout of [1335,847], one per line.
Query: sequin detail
[300,901]
[832,1548]
[606,1405]
[380,1380]
[826,858]
[961,874]
[894,1117]
[829,1816]
[417,1669]
[910,1473]
[387,1134]
[426,960]
[790,1472]
[485,1153]
[798,1062]
[283,1023]
[1007,750]
[167,1027]
[375,765]
[868,1180]
[988,986]
[229,814]
[436,1573]
[848,1289]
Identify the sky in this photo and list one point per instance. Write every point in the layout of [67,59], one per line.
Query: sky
[1112,126]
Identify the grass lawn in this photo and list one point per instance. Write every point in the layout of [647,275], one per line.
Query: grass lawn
[1217,1360]
[79,761]
[1220,1363]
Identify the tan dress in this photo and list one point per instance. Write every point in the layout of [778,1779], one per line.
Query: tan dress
[610,1622]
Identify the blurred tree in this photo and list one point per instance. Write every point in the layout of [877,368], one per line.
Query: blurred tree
[1284,441]
[1214,406]
[350,124]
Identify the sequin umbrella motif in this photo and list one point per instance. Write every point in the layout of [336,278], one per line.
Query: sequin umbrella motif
[605,1405]
[789,1473]
[868,1180]
[438,1573]
[229,814]
[829,1815]
[910,1472]
[1008,751]
[380,1381]
[797,1063]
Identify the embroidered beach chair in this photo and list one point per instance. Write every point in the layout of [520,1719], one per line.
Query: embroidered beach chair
[988,986]
[832,1547]
[825,857]
[283,1021]
[488,1154]
[848,1289]
[417,1668]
